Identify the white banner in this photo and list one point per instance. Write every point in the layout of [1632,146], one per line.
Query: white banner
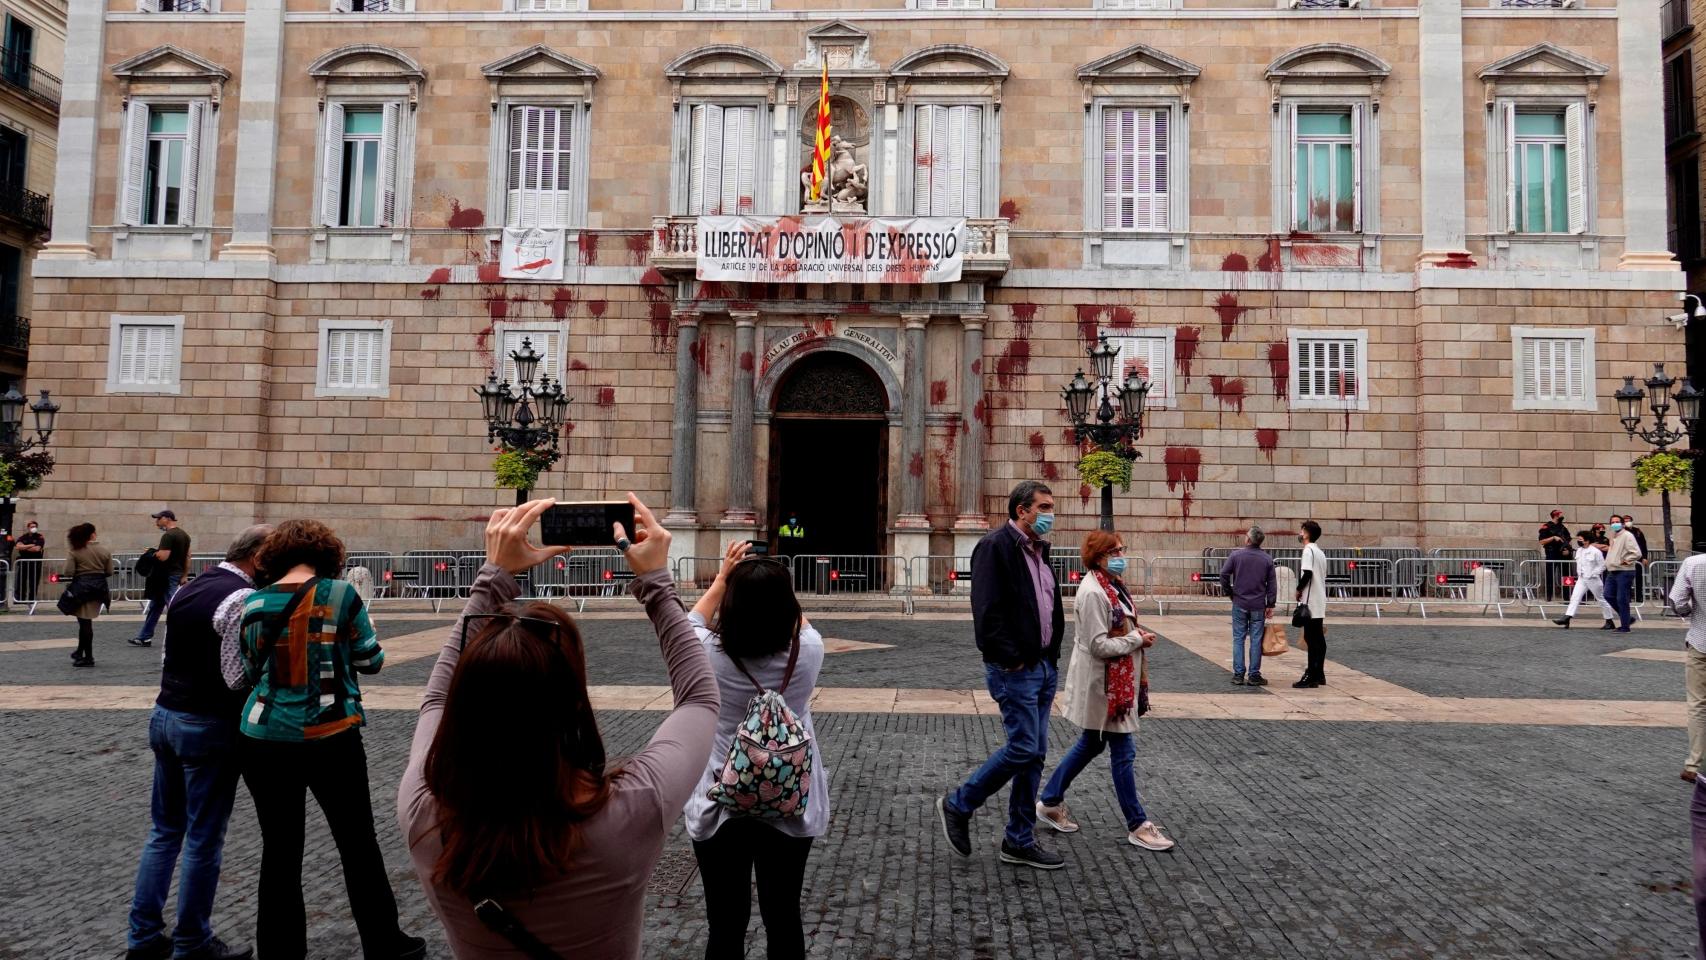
[831,249]
[530,253]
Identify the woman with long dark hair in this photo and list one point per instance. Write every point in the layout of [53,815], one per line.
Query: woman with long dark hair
[522,835]
[88,567]
[758,640]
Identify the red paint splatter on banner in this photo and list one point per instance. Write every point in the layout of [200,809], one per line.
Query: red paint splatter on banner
[1185,348]
[1024,314]
[430,293]
[909,266]
[440,275]
[1089,321]
[1279,368]
[1266,440]
[578,365]
[488,273]
[701,352]
[469,219]
[497,307]
[1228,392]
[1235,263]
[562,299]
[1010,210]
[1013,364]
[1269,261]
[1227,309]
[1184,466]
[588,248]
[746,361]
[915,466]
[639,248]
[938,392]
[606,396]
[1084,492]
[1121,318]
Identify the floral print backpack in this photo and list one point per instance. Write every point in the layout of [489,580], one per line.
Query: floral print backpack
[768,772]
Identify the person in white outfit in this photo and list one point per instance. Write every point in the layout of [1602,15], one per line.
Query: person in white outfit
[1590,578]
[1690,589]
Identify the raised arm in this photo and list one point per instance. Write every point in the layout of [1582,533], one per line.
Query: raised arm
[713,597]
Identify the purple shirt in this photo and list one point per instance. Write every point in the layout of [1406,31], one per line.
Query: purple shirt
[1042,581]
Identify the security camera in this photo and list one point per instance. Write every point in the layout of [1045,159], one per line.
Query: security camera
[1692,308]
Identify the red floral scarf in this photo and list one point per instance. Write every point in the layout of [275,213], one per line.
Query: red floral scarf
[1121,672]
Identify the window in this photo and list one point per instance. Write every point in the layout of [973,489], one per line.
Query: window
[11,263]
[950,4]
[540,167]
[548,5]
[1134,168]
[1150,355]
[724,173]
[1136,4]
[1326,172]
[947,160]
[1546,193]
[1684,183]
[14,157]
[19,52]
[354,358]
[1553,369]
[360,178]
[162,166]
[729,6]
[1329,371]
[1673,17]
[369,6]
[174,6]
[143,355]
[547,341]
[1679,96]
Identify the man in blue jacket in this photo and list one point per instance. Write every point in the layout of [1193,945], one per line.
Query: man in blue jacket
[1019,622]
[1247,577]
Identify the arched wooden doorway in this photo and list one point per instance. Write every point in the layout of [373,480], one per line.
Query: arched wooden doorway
[829,454]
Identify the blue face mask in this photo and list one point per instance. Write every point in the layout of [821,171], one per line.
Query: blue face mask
[1116,565]
[1042,524]
[1616,528]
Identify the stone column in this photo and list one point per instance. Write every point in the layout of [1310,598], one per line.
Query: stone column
[741,457]
[1443,227]
[970,525]
[79,124]
[1640,103]
[257,133]
[912,526]
[683,516]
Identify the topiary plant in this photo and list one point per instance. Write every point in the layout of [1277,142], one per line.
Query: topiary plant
[518,469]
[1105,468]
[1665,471]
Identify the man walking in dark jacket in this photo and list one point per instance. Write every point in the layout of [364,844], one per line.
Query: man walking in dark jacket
[1247,577]
[194,735]
[1018,621]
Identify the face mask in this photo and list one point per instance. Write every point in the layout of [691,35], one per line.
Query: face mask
[1042,523]
[1616,528]
[1116,565]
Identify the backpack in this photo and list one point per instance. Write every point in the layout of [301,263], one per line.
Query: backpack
[768,772]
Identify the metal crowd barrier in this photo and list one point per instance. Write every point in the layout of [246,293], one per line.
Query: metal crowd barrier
[698,572]
[830,574]
[942,577]
[1457,579]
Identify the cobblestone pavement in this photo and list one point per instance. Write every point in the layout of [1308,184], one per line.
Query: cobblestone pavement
[1297,839]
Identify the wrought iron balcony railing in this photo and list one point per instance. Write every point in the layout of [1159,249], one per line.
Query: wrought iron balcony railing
[1537,3]
[24,206]
[15,333]
[20,74]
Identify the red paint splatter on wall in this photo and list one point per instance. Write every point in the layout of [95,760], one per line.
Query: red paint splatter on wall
[1269,261]
[1089,321]
[1084,492]
[701,351]
[1121,318]
[945,471]
[1051,473]
[1039,450]
[1235,263]
[1228,392]
[483,346]
[1184,467]
[1457,261]
[588,248]
[1010,210]
[488,273]
[915,466]
[596,308]
[984,414]
[606,396]
[1227,309]
[469,219]
[1266,440]
[430,293]
[1024,314]
[497,307]
[578,365]
[938,392]
[977,367]
[1279,368]
[562,299]
[1013,364]
[746,360]
[440,275]
[655,289]
[1185,349]
[639,248]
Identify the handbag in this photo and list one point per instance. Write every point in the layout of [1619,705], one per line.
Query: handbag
[1274,642]
[1300,616]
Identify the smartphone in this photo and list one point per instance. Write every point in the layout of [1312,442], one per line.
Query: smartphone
[758,548]
[586,524]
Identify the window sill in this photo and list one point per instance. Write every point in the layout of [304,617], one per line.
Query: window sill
[1331,406]
[1134,249]
[1574,406]
[329,393]
[137,389]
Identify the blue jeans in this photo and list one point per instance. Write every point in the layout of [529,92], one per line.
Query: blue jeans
[1025,697]
[157,606]
[1619,585]
[195,784]
[1247,624]
[1122,756]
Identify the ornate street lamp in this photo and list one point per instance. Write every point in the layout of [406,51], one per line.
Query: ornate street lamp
[44,413]
[1114,430]
[527,417]
[1687,401]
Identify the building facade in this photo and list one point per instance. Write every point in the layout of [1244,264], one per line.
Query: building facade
[32,46]
[1382,263]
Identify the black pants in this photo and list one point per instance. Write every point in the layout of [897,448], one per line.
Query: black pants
[1555,578]
[279,775]
[85,638]
[1315,635]
[29,577]
[726,865]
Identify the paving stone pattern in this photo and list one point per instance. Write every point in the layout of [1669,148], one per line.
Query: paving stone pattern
[1297,840]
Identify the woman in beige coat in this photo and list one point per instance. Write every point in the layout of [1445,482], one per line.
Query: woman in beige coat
[1104,690]
[88,567]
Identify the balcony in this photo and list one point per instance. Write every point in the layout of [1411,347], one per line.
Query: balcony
[15,334]
[675,246]
[24,206]
[1673,18]
[30,80]
[1551,4]
[1324,4]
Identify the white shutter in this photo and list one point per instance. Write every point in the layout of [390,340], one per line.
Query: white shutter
[744,179]
[1529,375]
[1291,163]
[1356,168]
[563,166]
[192,163]
[923,157]
[540,162]
[713,197]
[1350,384]
[332,165]
[1575,376]
[1160,171]
[336,368]
[390,124]
[532,164]
[1116,164]
[512,181]
[1148,355]
[147,6]
[1512,165]
[696,159]
[545,343]
[945,126]
[1575,154]
[147,354]
[129,353]
[340,6]
[135,161]
[971,140]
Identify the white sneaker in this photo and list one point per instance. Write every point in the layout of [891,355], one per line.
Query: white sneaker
[1056,817]
[1149,837]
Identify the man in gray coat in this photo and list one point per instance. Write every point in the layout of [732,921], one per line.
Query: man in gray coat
[1247,577]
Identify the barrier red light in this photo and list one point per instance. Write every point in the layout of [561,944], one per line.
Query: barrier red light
[835,574]
[1353,565]
[608,575]
[560,563]
[387,576]
[1072,577]
[53,578]
[1196,577]
[1569,581]
[1440,579]
[953,575]
[441,566]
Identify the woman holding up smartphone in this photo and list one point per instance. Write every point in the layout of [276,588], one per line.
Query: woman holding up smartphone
[521,835]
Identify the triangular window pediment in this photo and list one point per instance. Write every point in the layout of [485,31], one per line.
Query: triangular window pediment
[1544,61]
[169,63]
[1139,62]
[840,44]
[539,62]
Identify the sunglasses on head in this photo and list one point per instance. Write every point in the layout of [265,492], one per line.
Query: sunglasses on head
[536,627]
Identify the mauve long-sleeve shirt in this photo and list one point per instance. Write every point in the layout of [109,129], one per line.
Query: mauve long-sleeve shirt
[593,911]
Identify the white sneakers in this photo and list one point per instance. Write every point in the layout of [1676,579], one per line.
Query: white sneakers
[1149,837]
[1056,817]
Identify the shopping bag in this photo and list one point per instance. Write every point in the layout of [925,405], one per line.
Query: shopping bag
[1274,642]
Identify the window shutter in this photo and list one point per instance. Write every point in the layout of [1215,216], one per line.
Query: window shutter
[332,169]
[135,160]
[512,180]
[924,146]
[544,343]
[390,125]
[532,164]
[340,6]
[713,160]
[696,159]
[1143,167]
[971,140]
[335,348]
[1575,373]
[1115,163]
[192,163]
[1575,158]
[563,178]
[1512,159]
[1291,162]
[949,169]
[740,196]
[1356,167]
[1529,375]
[1160,202]
[147,354]
[147,6]
[128,348]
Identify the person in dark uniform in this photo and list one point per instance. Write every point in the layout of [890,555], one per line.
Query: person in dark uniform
[1555,540]
[32,546]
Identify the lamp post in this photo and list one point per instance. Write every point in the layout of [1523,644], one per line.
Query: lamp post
[1112,431]
[1687,400]
[13,444]
[527,417]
